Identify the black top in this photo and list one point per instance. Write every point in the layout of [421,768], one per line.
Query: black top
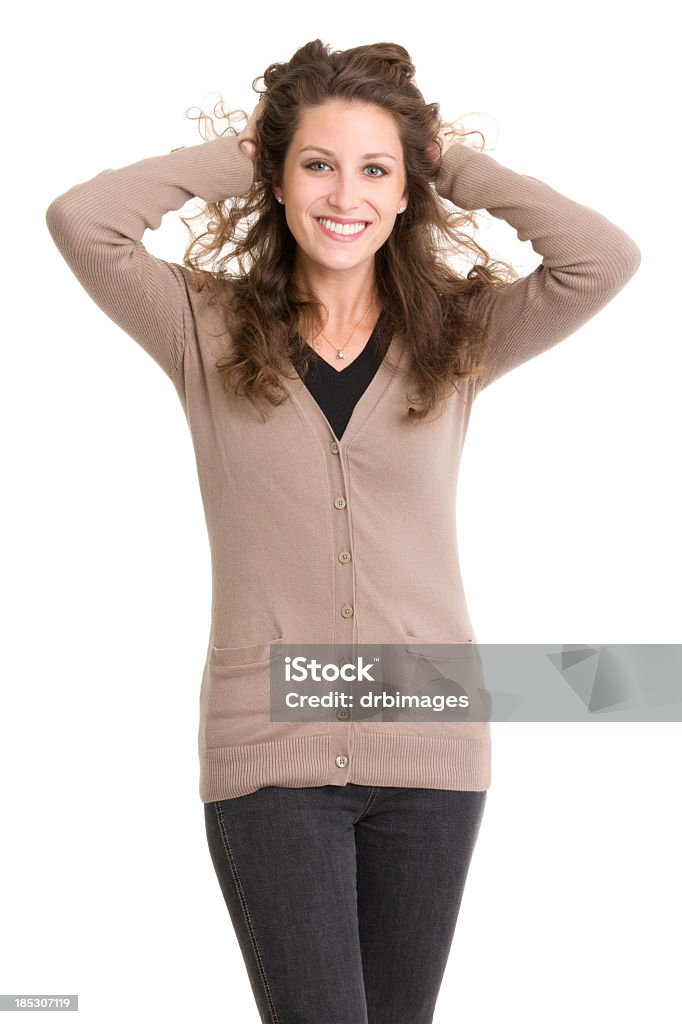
[338,391]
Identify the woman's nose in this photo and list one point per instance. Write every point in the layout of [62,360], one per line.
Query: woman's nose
[344,197]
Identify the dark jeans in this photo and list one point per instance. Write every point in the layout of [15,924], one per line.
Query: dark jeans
[344,899]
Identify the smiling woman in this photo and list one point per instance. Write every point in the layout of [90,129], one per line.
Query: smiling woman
[345,225]
[348,205]
[341,841]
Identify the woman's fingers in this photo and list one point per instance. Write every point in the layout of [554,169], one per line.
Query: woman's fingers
[250,129]
[248,147]
[248,138]
[436,150]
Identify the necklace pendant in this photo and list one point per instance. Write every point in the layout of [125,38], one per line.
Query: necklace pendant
[340,355]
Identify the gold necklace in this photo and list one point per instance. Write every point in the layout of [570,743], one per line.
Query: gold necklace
[339,351]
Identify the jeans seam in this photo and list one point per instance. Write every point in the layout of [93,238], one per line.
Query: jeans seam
[370,800]
[247,917]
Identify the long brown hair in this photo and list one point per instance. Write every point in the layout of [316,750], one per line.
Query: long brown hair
[440,314]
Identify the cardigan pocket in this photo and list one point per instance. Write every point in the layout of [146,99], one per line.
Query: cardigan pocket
[437,650]
[253,654]
[238,692]
[452,669]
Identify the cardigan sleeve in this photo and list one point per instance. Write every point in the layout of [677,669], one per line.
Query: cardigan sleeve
[586,259]
[98,227]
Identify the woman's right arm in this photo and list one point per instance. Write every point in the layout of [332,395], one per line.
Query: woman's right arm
[98,227]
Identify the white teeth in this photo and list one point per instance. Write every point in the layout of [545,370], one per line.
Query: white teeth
[342,229]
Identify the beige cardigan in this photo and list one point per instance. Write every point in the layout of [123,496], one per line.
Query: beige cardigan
[287,503]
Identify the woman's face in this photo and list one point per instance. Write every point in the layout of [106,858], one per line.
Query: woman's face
[345,163]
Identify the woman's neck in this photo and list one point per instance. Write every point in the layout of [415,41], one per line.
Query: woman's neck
[349,303]
[345,331]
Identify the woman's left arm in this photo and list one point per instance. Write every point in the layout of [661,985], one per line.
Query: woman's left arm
[586,259]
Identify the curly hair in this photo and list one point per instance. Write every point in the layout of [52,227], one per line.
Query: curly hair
[439,313]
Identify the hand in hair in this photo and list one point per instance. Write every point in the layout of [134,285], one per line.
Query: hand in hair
[249,136]
[436,150]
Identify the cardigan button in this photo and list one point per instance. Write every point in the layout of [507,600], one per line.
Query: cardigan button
[347,611]
[340,502]
[342,713]
[334,448]
[341,761]
[344,556]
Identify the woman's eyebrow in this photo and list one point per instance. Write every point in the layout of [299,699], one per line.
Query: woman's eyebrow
[366,156]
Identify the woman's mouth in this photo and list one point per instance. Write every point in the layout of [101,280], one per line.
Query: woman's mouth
[341,232]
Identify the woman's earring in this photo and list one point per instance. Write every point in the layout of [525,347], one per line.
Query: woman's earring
[401,209]
[279,199]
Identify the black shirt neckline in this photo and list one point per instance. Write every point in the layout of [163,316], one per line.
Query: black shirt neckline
[361,361]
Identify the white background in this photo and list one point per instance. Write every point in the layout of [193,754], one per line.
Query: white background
[568,524]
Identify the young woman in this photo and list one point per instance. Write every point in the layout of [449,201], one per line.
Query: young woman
[327,384]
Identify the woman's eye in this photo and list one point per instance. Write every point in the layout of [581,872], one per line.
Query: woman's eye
[376,166]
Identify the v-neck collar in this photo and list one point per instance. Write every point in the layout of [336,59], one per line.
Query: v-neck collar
[365,405]
[366,354]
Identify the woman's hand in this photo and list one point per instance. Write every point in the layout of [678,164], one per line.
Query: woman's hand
[436,150]
[248,138]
